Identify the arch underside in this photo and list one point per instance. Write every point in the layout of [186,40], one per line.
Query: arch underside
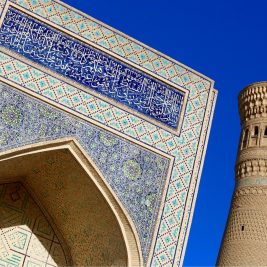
[87,219]
[26,237]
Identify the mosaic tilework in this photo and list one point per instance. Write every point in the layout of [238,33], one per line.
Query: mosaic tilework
[104,36]
[187,149]
[23,74]
[26,237]
[90,67]
[194,182]
[136,175]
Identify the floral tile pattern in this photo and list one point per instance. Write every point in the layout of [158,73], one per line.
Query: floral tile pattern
[136,175]
[188,148]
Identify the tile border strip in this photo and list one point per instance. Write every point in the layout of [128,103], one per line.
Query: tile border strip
[146,47]
[180,257]
[148,119]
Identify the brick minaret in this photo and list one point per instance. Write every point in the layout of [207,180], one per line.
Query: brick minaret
[245,237]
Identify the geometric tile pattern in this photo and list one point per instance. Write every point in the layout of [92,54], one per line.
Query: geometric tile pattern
[135,174]
[25,75]
[90,67]
[108,38]
[26,237]
[188,148]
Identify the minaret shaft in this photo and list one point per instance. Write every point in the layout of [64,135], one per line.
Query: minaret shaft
[245,237]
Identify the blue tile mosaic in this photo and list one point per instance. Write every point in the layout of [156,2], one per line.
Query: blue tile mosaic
[88,66]
[136,175]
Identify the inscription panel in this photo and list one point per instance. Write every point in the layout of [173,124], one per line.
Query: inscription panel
[88,66]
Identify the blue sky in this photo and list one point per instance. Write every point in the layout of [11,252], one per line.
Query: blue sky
[225,40]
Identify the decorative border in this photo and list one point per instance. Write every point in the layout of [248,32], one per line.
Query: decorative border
[39,97]
[179,257]
[188,148]
[251,181]
[149,119]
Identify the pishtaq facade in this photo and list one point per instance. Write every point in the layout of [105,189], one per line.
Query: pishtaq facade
[102,142]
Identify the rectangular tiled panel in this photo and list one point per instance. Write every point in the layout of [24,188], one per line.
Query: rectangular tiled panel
[90,67]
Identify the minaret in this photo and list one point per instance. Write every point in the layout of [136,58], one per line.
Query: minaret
[245,237]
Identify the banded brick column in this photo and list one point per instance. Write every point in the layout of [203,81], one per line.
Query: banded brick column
[245,237]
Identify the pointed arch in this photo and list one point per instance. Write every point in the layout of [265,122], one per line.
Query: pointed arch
[127,228]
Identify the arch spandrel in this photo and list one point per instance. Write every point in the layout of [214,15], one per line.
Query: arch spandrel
[85,211]
[125,165]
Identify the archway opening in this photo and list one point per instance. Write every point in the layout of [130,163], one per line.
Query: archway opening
[89,224]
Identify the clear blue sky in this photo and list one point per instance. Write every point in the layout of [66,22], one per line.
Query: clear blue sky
[223,39]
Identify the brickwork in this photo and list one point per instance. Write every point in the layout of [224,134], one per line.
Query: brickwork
[245,237]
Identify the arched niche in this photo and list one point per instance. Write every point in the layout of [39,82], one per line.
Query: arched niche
[76,201]
[26,236]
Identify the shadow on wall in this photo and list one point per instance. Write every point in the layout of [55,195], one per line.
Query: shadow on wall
[254,135]
[26,237]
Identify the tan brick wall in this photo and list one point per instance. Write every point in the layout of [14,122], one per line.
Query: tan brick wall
[245,238]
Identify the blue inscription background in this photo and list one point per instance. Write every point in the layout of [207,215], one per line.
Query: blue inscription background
[90,67]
